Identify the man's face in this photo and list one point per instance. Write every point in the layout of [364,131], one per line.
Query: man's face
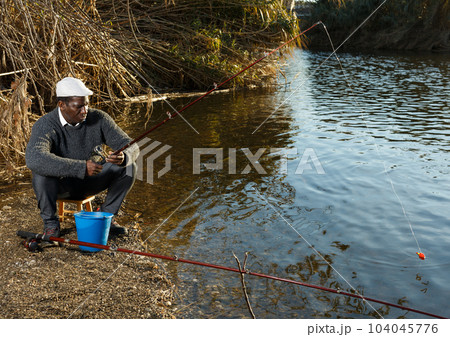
[75,110]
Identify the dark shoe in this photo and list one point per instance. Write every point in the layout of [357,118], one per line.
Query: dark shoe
[116,229]
[51,231]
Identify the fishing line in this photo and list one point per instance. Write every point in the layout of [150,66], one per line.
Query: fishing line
[317,252]
[362,111]
[216,86]
[297,88]
[320,65]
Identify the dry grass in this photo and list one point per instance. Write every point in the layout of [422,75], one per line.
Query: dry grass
[40,43]
[14,125]
[53,40]
[63,282]
[127,48]
[190,44]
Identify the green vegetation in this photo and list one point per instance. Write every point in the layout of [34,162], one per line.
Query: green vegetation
[399,24]
[117,46]
[194,43]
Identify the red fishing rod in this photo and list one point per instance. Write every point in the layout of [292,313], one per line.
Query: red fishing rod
[35,238]
[216,86]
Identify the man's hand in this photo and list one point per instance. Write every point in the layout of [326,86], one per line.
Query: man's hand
[92,168]
[115,159]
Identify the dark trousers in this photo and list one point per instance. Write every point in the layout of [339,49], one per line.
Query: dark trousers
[116,179]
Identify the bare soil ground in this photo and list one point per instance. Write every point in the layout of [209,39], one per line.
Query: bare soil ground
[64,282]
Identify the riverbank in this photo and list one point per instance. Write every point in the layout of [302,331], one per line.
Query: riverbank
[53,283]
[417,26]
[64,282]
[417,39]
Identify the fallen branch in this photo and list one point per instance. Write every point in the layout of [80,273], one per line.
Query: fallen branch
[15,72]
[244,288]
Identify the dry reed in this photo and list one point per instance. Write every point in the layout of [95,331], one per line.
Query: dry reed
[14,124]
[190,44]
[125,48]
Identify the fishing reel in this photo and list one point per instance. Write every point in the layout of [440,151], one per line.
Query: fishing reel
[32,245]
[98,155]
[35,243]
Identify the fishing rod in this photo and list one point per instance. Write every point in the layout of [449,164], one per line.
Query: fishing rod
[34,238]
[216,86]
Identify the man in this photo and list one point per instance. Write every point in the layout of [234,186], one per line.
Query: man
[59,151]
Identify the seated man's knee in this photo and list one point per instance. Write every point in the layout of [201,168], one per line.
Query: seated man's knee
[41,183]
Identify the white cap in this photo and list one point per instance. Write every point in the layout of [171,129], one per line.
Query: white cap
[70,86]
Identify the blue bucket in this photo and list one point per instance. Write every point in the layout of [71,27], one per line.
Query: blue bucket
[93,227]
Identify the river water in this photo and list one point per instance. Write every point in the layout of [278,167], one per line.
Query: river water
[335,178]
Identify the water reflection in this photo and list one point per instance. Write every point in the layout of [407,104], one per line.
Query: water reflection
[400,100]
[396,115]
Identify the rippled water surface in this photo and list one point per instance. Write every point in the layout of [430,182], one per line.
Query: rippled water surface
[362,163]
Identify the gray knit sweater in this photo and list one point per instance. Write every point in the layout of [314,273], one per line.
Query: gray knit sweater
[54,150]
